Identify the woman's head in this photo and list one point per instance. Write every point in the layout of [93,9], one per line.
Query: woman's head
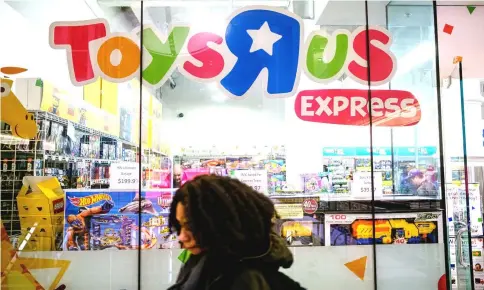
[221,214]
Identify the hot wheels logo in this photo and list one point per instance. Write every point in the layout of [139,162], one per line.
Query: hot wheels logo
[351,107]
[89,200]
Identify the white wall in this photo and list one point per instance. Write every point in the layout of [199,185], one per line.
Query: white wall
[398,267]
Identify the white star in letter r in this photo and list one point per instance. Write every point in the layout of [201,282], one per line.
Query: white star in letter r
[263,38]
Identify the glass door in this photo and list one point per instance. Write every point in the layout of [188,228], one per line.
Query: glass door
[462,197]
[460,72]
[462,228]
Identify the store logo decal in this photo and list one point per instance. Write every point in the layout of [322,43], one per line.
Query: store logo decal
[351,107]
[259,42]
[89,200]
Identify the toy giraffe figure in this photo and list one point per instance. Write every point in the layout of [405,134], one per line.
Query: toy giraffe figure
[13,113]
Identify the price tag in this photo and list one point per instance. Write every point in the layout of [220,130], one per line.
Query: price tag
[361,185]
[257,179]
[290,211]
[124,176]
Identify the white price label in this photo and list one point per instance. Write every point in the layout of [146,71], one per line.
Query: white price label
[361,185]
[257,179]
[124,176]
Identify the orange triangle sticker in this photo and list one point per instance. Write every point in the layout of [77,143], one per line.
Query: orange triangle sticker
[358,267]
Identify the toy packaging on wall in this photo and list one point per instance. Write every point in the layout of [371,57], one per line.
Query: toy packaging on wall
[157,178]
[276,174]
[316,183]
[154,224]
[299,223]
[112,231]
[189,174]
[411,173]
[477,263]
[98,220]
[215,166]
[391,228]
[340,172]
[233,163]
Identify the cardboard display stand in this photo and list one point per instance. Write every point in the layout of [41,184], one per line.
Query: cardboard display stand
[41,203]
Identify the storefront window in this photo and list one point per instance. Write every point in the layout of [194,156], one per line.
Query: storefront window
[338,111]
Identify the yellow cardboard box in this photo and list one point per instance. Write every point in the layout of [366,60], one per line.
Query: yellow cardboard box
[41,201]
[42,230]
[34,244]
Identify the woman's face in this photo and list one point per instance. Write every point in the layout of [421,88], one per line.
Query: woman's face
[186,236]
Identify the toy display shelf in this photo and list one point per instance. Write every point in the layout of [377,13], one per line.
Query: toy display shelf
[41,115]
[18,159]
[338,197]
[216,152]
[29,158]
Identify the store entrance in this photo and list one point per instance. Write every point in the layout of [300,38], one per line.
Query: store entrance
[464,182]
[339,112]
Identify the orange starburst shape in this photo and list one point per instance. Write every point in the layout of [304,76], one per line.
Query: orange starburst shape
[15,270]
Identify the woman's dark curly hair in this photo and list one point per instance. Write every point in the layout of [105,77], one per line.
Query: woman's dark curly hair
[225,215]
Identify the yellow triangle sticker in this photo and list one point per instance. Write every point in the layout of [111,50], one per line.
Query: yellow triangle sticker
[358,267]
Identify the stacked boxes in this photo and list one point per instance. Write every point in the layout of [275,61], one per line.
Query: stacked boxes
[41,210]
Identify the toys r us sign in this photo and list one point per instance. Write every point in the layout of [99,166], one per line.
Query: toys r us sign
[262,40]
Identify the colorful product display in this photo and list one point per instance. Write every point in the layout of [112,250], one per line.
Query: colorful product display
[400,177]
[477,263]
[187,168]
[315,183]
[392,228]
[300,223]
[98,220]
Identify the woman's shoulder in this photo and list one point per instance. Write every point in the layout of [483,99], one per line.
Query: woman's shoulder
[256,279]
[249,279]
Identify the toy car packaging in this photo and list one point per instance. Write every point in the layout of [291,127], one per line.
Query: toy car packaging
[392,228]
[112,231]
[99,220]
[82,207]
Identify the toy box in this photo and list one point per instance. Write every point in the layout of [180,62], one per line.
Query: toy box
[112,231]
[315,183]
[189,174]
[40,204]
[391,228]
[99,220]
[299,223]
[155,232]
[276,174]
[84,206]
